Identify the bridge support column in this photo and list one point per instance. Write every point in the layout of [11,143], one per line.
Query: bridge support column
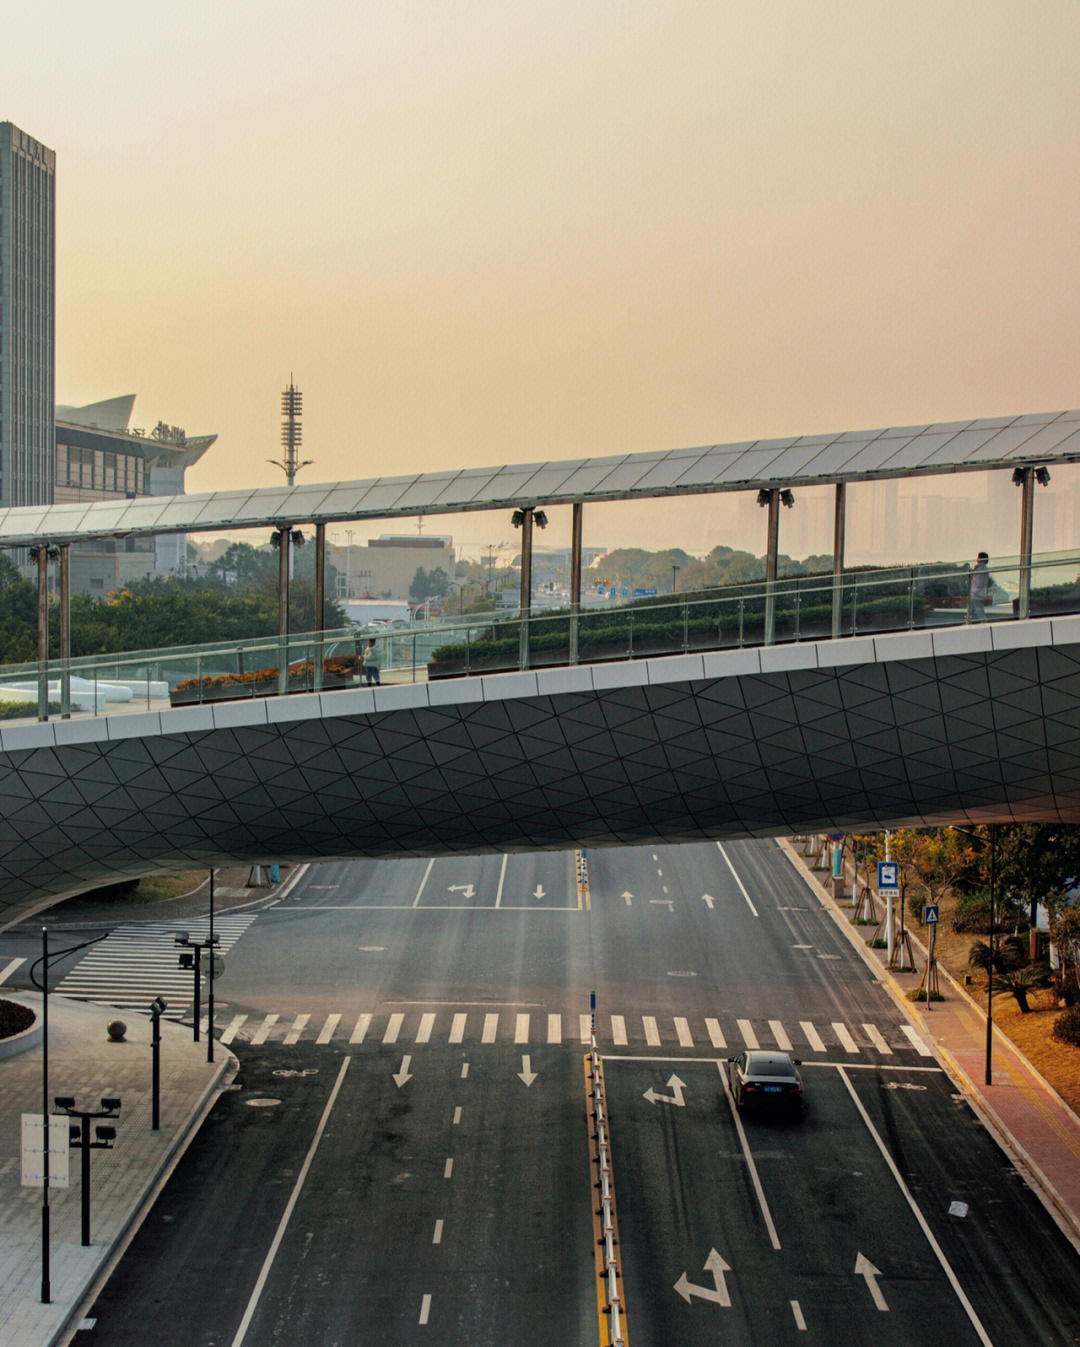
[284,541]
[41,556]
[525,602]
[1025,479]
[65,631]
[320,602]
[839,511]
[771,546]
[575,577]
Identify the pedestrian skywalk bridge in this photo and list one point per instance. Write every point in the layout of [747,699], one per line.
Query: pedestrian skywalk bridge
[673,1034]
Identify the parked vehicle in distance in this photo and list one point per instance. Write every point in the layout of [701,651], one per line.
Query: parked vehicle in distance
[765,1077]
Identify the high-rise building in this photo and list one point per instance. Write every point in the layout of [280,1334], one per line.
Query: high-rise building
[27,318]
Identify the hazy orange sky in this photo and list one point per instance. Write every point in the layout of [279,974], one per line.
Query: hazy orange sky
[490,231]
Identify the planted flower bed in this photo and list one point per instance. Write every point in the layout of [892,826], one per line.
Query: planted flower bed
[339,671]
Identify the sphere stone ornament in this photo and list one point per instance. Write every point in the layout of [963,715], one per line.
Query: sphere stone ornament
[116,1029]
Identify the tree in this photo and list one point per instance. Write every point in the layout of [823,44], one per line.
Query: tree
[418,590]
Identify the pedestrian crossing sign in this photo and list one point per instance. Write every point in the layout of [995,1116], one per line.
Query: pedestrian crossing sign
[930,914]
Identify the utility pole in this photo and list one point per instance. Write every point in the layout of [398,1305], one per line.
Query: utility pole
[292,403]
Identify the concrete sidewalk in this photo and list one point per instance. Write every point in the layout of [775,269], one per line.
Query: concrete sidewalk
[83,1062]
[1029,1118]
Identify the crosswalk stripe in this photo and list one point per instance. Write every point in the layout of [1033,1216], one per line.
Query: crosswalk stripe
[585,1028]
[554,1028]
[916,1041]
[846,1041]
[298,1028]
[618,1031]
[362,1025]
[393,1029]
[326,1033]
[716,1037]
[521,1031]
[427,1023]
[457,1029]
[682,1029]
[748,1035]
[6,972]
[873,1033]
[812,1036]
[230,1033]
[652,1034]
[491,1028]
[264,1029]
[780,1034]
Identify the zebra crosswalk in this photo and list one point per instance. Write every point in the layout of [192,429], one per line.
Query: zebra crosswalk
[523,1028]
[138,961]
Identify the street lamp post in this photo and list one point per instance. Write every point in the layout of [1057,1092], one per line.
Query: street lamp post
[674,572]
[990,956]
[157,1006]
[191,952]
[104,1134]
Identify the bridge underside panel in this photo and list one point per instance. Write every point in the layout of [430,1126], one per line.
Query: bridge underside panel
[989,735]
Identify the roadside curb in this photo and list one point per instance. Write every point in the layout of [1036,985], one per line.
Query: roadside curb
[1063,1216]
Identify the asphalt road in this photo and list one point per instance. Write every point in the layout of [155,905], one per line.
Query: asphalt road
[840,1227]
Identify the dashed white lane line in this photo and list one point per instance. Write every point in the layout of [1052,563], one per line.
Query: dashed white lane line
[425,1309]
[449,1168]
[716,1037]
[263,1030]
[457,1029]
[298,1028]
[846,1041]
[427,1023]
[437,1236]
[812,1036]
[800,1322]
[362,1026]
[464,1070]
[502,880]
[908,1030]
[423,883]
[873,1033]
[652,1033]
[682,1028]
[521,1029]
[230,1033]
[554,1028]
[618,1031]
[748,1035]
[780,1034]
[326,1033]
[457,1115]
[393,1028]
[491,1028]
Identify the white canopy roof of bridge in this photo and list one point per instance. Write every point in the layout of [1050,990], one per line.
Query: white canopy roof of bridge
[899,451]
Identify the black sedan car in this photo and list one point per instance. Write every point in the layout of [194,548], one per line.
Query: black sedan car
[765,1077]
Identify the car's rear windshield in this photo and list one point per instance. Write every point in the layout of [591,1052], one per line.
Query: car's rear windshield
[770,1066]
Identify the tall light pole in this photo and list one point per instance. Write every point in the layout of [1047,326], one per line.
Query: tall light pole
[292,403]
[674,572]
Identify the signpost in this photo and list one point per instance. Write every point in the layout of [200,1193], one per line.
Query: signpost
[33,1152]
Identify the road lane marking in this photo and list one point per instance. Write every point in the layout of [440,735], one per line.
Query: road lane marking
[938,1251]
[437,1236]
[449,1168]
[362,1024]
[780,1034]
[750,1165]
[279,1234]
[716,1037]
[502,877]
[748,1035]
[423,882]
[800,1322]
[652,1034]
[521,1029]
[326,1033]
[812,1036]
[846,1041]
[457,1029]
[230,1033]
[682,1029]
[618,1031]
[425,1309]
[393,1028]
[873,1033]
[427,1023]
[491,1025]
[742,886]
[554,1028]
[464,1070]
[298,1028]
[7,972]
[920,1047]
[584,1027]
[457,1115]
[264,1029]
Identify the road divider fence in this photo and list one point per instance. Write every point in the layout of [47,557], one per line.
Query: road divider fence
[609,1271]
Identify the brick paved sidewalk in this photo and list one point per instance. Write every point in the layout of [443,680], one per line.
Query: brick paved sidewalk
[83,1062]
[1031,1121]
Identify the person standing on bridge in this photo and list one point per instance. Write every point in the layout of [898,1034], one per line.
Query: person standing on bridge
[371,663]
[979,593]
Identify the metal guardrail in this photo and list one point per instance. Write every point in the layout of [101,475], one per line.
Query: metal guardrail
[856,603]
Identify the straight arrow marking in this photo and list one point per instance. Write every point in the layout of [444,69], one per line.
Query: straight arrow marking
[628,897]
[403,1075]
[709,899]
[715,1265]
[539,893]
[527,1074]
[864,1268]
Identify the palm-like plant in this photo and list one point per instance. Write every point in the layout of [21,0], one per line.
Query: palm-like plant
[1020,982]
[1009,954]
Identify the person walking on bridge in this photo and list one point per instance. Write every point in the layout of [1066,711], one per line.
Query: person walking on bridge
[371,663]
[979,593]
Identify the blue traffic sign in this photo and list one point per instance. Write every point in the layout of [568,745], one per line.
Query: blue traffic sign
[930,914]
[888,875]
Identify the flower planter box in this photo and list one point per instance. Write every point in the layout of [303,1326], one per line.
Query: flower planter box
[245,691]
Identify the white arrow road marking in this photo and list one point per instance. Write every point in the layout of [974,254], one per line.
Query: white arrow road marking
[466,889]
[628,897]
[527,1074]
[864,1268]
[677,1098]
[539,891]
[716,1265]
[708,898]
[400,1077]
